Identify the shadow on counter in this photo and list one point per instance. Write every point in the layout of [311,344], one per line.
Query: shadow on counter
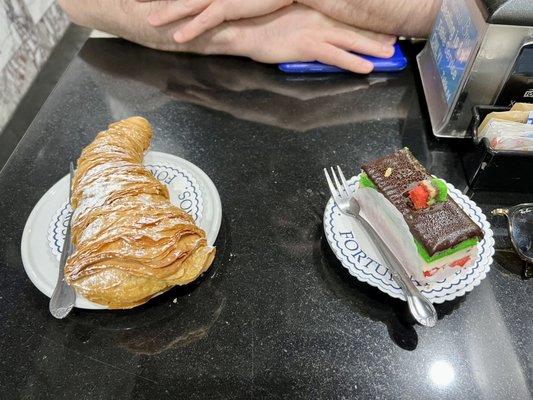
[370,302]
[176,318]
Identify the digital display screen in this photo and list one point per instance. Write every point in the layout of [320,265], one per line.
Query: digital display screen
[452,41]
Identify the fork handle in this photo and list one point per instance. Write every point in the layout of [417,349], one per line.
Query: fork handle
[421,308]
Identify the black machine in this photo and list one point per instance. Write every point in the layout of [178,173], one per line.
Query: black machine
[479,53]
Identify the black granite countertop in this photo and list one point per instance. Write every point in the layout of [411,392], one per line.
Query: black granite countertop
[277,316]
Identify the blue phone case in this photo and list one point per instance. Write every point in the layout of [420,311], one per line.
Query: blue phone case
[396,63]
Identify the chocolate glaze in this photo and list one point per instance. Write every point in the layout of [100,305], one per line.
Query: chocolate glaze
[437,227]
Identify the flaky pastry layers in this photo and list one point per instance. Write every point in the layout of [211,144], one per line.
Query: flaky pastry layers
[130,242]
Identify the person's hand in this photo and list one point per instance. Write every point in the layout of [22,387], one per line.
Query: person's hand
[299,33]
[294,33]
[209,14]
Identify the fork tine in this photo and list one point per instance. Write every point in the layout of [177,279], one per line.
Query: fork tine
[340,189]
[332,189]
[344,183]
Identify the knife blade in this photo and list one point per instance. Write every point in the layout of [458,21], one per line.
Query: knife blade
[64,296]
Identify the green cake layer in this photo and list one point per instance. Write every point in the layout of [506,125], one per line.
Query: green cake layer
[441,254]
[365,181]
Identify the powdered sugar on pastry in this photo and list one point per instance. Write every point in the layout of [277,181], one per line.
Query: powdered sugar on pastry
[130,242]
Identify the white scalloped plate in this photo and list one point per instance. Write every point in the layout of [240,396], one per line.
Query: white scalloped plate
[42,240]
[359,255]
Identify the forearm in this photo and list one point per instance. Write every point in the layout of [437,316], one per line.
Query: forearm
[128,19]
[293,33]
[411,18]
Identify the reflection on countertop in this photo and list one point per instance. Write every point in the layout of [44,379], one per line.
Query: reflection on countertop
[260,93]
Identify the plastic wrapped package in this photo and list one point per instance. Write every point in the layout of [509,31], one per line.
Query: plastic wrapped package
[391,227]
[508,135]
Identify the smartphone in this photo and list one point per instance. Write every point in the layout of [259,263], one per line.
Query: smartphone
[395,63]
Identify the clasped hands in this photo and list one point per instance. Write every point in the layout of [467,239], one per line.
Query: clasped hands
[271,31]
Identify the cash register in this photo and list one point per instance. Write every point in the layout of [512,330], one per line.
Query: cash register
[480,52]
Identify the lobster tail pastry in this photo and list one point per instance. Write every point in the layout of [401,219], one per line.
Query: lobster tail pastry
[130,242]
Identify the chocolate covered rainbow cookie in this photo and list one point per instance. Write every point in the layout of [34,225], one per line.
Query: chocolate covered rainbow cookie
[445,236]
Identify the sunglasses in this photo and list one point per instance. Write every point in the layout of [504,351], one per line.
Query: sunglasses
[520,219]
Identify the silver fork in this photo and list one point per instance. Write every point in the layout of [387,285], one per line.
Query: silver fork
[421,308]
[64,296]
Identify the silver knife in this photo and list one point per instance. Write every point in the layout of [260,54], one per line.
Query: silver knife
[64,296]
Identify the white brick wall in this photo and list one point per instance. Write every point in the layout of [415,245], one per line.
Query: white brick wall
[29,30]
